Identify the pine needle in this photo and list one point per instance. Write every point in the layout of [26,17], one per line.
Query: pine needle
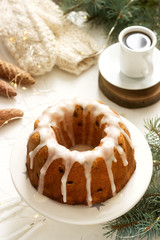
[115,15]
[144,219]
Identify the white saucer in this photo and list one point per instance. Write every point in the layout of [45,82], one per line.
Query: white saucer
[84,215]
[109,67]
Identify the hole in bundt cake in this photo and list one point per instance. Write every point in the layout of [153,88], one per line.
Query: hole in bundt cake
[81,147]
[79,131]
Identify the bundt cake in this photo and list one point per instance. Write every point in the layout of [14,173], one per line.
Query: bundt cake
[70,176]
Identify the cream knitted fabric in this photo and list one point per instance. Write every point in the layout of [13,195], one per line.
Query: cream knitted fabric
[38,36]
[76,50]
[27,37]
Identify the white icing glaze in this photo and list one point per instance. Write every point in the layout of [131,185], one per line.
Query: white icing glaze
[63,113]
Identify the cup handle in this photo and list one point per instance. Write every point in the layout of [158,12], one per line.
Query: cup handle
[148,60]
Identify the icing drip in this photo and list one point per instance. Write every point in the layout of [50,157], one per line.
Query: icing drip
[122,154]
[62,115]
[68,127]
[87,166]
[84,126]
[111,178]
[45,131]
[68,165]
[58,128]
[90,135]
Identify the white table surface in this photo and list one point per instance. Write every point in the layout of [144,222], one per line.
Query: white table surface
[19,221]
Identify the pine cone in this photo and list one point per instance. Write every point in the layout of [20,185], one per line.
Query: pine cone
[6,89]
[9,115]
[15,74]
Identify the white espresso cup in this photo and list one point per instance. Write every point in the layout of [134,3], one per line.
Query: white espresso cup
[136,51]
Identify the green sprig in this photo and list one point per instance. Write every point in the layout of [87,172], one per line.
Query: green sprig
[153,138]
[144,219]
[115,15]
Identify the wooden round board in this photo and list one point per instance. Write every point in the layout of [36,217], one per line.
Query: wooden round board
[129,98]
[125,91]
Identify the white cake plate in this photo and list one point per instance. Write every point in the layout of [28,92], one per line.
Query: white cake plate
[84,215]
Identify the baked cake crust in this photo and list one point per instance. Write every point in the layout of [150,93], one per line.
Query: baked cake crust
[75,177]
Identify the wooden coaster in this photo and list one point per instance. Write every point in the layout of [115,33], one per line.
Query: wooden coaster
[130,98]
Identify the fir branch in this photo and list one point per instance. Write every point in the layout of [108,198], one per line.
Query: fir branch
[115,15]
[144,219]
[70,6]
[153,138]
[120,13]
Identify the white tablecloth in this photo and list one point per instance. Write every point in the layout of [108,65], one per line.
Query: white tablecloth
[17,220]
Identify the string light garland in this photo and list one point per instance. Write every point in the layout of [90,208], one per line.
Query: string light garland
[10,114]
[119,21]
[115,15]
